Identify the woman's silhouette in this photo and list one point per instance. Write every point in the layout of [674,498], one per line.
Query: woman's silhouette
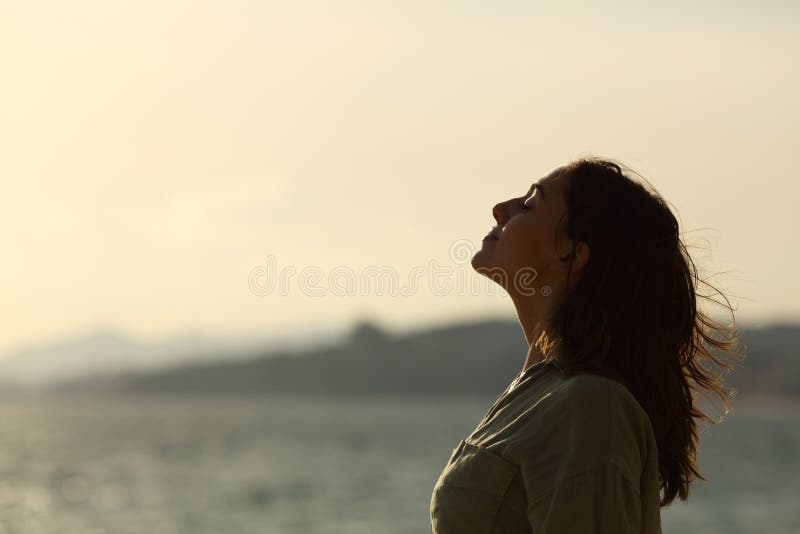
[599,429]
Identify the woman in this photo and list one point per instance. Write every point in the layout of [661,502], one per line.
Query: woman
[602,417]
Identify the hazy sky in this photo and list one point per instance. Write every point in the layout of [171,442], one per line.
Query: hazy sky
[155,153]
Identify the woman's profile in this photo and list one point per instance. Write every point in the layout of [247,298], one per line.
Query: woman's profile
[599,430]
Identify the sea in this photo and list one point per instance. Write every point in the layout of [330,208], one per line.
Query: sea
[299,464]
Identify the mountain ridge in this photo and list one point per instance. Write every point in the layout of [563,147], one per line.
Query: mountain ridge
[455,359]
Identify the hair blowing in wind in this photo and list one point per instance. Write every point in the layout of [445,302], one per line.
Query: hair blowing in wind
[636,309]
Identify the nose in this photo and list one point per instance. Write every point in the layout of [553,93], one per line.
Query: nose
[497,212]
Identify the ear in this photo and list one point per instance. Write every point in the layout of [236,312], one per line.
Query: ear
[581,258]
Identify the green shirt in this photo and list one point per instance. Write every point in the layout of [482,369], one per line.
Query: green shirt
[554,456]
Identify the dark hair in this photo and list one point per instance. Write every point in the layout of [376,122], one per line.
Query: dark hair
[634,311]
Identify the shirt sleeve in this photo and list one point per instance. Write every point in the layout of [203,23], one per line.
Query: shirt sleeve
[583,474]
[600,500]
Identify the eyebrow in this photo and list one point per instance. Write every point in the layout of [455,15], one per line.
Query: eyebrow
[538,186]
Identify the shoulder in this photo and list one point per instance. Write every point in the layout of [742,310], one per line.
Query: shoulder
[581,407]
[600,419]
[592,395]
[589,395]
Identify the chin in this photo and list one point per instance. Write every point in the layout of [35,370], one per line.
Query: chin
[477,259]
[482,259]
[475,262]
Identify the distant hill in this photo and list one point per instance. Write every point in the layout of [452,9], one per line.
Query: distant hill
[467,358]
[107,350]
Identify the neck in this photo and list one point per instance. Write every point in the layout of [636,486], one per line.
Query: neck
[531,314]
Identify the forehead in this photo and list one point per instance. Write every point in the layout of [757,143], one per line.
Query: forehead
[554,183]
[554,178]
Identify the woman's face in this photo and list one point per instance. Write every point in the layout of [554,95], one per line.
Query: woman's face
[525,236]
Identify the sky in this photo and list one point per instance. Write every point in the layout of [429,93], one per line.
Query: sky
[161,158]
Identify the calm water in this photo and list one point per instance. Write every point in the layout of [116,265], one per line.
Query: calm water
[294,465]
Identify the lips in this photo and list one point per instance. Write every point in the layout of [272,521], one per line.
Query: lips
[494,234]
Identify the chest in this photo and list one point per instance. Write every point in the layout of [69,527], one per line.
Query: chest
[478,492]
